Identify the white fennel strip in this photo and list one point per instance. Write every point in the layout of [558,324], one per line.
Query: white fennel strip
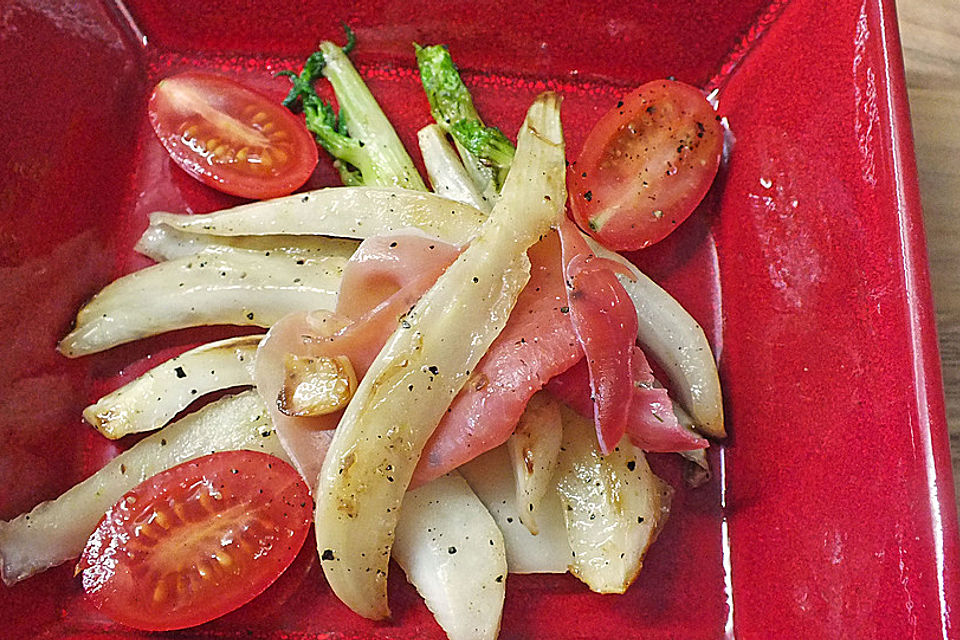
[56,531]
[534,448]
[448,177]
[153,399]
[614,506]
[422,367]
[162,242]
[452,552]
[671,335]
[491,477]
[344,212]
[209,288]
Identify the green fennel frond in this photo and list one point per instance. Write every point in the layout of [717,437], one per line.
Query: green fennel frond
[485,151]
[362,141]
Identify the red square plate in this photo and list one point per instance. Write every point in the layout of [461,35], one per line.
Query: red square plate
[832,514]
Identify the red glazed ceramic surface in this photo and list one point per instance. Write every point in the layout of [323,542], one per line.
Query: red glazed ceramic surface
[831,514]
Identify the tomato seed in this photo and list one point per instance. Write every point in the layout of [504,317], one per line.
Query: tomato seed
[204,568]
[223,558]
[160,592]
[161,519]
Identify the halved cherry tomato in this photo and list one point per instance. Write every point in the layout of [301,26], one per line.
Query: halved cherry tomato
[646,165]
[197,540]
[231,137]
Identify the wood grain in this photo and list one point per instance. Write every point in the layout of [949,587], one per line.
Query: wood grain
[930,32]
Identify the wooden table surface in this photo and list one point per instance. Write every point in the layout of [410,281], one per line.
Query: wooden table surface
[930,31]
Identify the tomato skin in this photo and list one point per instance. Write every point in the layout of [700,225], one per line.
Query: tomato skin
[196,541]
[229,137]
[646,165]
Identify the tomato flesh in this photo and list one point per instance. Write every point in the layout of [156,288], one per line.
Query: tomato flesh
[646,165]
[231,137]
[196,541]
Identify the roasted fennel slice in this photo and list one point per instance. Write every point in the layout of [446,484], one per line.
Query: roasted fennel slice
[364,145]
[534,448]
[492,479]
[486,153]
[422,367]
[673,338]
[343,212]
[212,287]
[614,506]
[56,531]
[153,399]
[452,552]
[448,177]
[161,242]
